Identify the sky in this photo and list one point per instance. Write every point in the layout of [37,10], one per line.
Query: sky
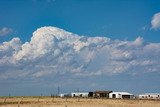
[85,44]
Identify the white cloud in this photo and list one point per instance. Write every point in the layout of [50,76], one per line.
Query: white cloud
[53,51]
[5,31]
[9,48]
[156,21]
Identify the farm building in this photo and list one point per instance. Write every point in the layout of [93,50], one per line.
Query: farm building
[101,94]
[121,95]
[149,96]
[79,94]
[64,95]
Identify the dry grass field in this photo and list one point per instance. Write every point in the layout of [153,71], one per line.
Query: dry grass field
[74,102]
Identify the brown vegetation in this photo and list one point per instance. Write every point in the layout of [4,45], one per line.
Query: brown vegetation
[74,102]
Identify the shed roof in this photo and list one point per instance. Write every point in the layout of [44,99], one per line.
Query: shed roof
[122,93]
[102,92]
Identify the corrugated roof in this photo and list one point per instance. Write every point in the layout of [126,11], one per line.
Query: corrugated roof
[122,93]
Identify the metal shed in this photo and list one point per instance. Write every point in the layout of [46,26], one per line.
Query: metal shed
[121,95]
[79,94]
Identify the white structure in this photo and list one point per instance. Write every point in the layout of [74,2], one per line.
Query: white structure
[149,96]
[79,94]
[64,95]
[121,95]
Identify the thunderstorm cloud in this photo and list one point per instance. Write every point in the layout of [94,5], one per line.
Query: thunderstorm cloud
[53,51]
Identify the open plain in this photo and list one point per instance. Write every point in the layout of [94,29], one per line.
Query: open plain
[74,102]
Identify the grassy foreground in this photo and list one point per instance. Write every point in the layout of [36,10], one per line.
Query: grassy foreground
[74,102]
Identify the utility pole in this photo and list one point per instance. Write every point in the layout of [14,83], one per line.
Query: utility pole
[58,91]
[78,91]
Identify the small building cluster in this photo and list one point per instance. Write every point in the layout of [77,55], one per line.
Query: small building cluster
[111,95]
[149,96]
[100,94]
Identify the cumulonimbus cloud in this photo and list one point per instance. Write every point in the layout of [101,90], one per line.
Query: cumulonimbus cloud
[156,21]
[53,51]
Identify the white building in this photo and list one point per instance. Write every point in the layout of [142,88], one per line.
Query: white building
[149,96]
[121,95]
[64,95]
[79,94]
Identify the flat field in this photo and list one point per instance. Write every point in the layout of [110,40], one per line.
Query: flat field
[74,102]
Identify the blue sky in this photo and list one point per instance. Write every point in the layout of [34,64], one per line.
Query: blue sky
[126,59]
[119,19]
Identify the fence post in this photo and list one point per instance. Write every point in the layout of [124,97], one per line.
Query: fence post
[38,99]
[52,98]
[66,102]
[21,99]
[5,99]
[18,103]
